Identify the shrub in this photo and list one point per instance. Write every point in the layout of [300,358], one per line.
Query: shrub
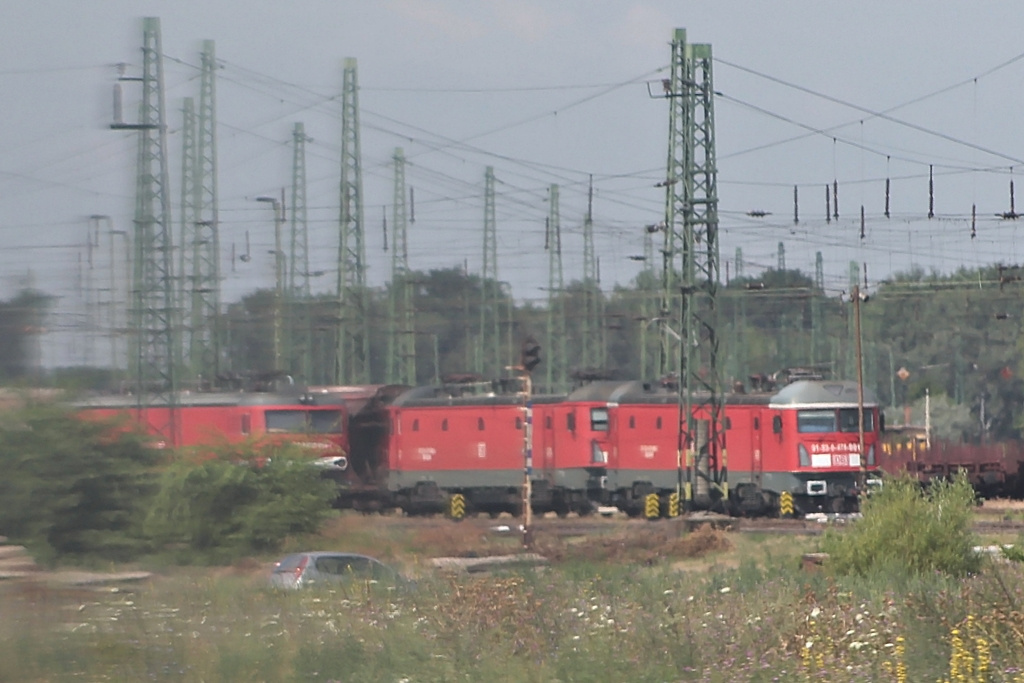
[72,487]
[908,529]
[227,506]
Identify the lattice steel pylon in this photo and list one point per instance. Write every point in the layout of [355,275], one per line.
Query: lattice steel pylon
[204,347]
[300,322]
[593,357]
[489,360]
[352,358]
[556,363]
[153,312]
[187,218]
[691,275]
[401,367]
[817,324]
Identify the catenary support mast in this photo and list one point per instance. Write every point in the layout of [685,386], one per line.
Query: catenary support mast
[692,272]
[352,359]
[401,367]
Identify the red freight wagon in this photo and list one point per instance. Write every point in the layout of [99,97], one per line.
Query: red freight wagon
[202,419]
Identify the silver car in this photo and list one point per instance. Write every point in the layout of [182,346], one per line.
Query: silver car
[301,570]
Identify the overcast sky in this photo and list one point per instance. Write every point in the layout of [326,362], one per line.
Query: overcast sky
[811,92]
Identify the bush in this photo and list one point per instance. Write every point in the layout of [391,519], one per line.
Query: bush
[908,529]
[229,506]
[72,487]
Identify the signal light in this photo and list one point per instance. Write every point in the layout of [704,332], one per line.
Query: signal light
[529,356]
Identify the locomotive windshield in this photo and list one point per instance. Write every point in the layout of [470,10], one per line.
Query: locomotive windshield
[304,421]
[833,420]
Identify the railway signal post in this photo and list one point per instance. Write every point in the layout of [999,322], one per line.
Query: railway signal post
[529,358]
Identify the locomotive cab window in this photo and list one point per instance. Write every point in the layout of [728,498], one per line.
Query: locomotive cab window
[303,421]
[849,420]
[815,421]
[599,419]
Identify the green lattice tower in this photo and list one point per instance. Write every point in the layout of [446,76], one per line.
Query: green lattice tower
[204,347]
[648,306]
[692,257]
[556,346]
[817,324]
[153,311]
[851,352]
[401,366]
[352,358]
[592,328]
[490,360]
[299,293]
[187,218]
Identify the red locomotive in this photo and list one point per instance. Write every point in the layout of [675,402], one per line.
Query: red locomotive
[209,419]
[460,448]
[803,441]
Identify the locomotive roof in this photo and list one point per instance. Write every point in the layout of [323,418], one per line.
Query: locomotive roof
[445,396]
[635,391]
[213,399]
[821,392]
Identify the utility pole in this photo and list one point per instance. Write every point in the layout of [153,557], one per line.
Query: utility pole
[816,295]
[153,311]
[401,368]
[352,357]
[556,377]
[692,251]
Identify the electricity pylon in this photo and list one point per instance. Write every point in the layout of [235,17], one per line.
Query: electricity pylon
[692,270]
[817,324]
[352,358]
[489,360]
[555,367]
[401,367]
[153,313]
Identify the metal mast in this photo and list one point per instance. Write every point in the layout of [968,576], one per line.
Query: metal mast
[816,295]
[556,300]
[691,220]
[189,197]
[490,291]
[593,349]
[301,332]
[352,364]
[649,305]
[153,300]
[204,347]
[401,368]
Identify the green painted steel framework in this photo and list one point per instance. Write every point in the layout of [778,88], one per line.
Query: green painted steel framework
[153,297]
[555,366]
[401,367]
[204,347]
[352,357]
[489,360]
[300,325]
[691,274]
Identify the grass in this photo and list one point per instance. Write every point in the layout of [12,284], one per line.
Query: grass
[637,601]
